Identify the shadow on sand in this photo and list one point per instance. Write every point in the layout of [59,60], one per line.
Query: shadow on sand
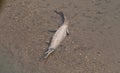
[2,2]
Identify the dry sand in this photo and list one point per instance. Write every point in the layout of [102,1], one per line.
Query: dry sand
[93,45]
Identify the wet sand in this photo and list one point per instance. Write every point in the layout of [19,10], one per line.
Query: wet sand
[93,45]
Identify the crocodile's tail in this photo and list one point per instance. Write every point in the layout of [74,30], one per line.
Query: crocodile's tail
[64,18]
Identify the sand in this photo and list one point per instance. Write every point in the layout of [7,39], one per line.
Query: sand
[93,45]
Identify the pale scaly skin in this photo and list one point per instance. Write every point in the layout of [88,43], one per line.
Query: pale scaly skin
[58,37]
